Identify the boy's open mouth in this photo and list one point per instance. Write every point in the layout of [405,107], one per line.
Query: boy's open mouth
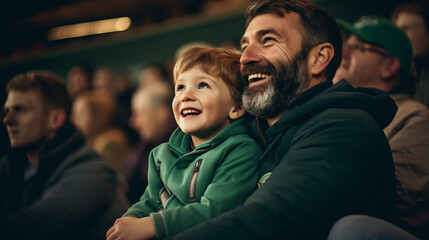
[257,77]
[189,112]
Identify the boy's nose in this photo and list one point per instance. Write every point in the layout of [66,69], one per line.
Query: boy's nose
[187,96]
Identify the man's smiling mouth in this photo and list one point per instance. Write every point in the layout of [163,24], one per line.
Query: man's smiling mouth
[257,77]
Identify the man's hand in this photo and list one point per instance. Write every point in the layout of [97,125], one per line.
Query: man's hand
[131,228]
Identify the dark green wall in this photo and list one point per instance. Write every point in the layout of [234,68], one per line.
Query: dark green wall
[133,52]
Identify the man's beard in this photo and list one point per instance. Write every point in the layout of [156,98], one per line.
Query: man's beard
[270,99]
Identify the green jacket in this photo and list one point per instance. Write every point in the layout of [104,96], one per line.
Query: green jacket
[190,186]
[326,157]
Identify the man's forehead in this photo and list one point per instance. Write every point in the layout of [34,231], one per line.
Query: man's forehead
[27,98]
[354,38]
[289,22]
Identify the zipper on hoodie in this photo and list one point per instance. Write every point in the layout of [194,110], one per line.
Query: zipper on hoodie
[193,181]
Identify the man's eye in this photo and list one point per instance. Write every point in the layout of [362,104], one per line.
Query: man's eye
[405,28]
[243,47]
[203,85]
[268,39]
[18,109]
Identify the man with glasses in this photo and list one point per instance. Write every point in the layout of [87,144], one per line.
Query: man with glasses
[377,54]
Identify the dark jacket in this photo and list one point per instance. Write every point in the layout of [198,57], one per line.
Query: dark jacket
[73,194]
[326,157]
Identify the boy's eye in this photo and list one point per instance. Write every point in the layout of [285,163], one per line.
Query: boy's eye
[203,85]
[180,88]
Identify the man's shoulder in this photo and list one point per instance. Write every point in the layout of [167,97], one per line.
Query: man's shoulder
[343,114]
[406,104]
[338,122]
[83,158]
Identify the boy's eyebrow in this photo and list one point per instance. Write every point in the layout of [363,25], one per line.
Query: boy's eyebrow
[261,33]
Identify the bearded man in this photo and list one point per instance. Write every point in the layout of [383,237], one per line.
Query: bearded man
[325,152]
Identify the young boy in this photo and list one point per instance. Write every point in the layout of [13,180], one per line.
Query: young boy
[210,164]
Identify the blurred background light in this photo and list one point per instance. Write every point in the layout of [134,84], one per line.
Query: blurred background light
[89,28]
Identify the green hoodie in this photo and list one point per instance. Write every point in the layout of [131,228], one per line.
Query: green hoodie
[325,158]
[191,186]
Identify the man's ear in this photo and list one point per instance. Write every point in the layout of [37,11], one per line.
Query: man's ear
[391,68]
[319,58]
[57,118]
[236,112]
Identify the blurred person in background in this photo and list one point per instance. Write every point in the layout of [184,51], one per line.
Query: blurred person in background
[52,185]
[153,119]
[104,80]
[117,86]
[152,74]
[79,79]
[93,114]
[378,54]
[413,19]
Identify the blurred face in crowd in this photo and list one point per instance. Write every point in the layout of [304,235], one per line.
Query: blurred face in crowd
[203,105]
[273,64]
[26,120]
[77,81]
[81,116]
[104,81]
[361,64]
[414,26]
[151,117]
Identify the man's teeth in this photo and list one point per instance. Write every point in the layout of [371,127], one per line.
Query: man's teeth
[190,111]
[257,76]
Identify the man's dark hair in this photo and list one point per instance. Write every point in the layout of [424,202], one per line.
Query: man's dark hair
[319,27]
[52,88]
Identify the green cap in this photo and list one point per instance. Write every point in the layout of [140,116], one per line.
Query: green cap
[381,32]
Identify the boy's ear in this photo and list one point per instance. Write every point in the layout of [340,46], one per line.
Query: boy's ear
[236,112]
[57,118]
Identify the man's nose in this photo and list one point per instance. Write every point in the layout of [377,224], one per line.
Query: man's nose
[346,52]
[8,118]
[251,54]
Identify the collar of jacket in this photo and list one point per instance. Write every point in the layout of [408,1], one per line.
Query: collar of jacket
[66,141]
[180,142]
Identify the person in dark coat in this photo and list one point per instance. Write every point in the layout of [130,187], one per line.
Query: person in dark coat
[52,184]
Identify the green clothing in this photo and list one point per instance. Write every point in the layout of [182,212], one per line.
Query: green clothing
[190,186]
[328,157]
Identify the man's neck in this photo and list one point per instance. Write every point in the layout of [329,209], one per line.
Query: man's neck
[33,158]
[273,120]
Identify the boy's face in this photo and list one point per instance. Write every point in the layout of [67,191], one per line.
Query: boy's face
[202,105]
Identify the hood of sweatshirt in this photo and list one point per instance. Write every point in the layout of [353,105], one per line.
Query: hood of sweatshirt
[375,102]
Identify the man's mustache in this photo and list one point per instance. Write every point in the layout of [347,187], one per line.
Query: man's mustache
[252,68]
